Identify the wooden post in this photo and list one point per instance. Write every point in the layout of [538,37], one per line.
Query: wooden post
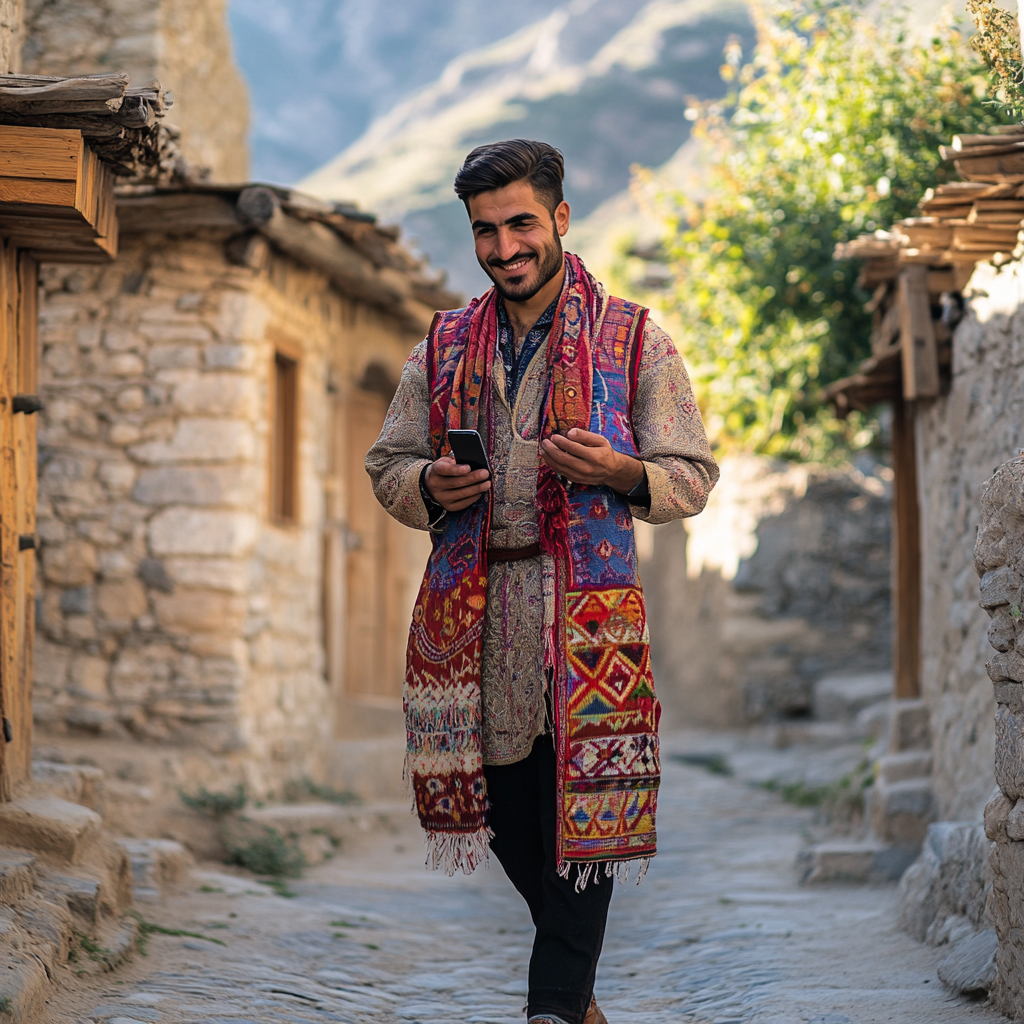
[906,575]
[917,336]
[18,282]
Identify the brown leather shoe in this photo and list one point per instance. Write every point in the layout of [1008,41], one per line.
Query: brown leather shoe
[594,1014]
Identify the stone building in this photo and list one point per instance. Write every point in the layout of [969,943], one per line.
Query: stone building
[782,582]
[216,575]
[183,43]
[948,354]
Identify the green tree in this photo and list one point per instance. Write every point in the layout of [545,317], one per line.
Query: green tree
[833,129]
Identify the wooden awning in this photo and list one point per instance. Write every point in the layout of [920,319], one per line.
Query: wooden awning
[56,196]
[63,142]
[917,270]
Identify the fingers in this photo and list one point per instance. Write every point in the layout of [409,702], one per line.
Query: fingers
[576,470]
[587,453]
[588,438]
[448,467]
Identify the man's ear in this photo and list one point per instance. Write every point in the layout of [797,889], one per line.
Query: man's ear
[561,217]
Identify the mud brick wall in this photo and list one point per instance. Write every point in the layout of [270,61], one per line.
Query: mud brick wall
[999,560]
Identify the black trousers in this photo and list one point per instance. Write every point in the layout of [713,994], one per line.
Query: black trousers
[570,925]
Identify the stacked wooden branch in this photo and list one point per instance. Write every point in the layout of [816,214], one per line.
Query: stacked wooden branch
[120,124]
[917,270]
[963,223]
[996,158]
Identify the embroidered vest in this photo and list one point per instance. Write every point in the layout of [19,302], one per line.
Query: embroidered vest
[597,652]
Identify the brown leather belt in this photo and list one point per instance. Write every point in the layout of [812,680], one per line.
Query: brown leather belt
[512,554]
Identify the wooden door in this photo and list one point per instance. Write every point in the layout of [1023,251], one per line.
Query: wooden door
[18,285]
[372,667]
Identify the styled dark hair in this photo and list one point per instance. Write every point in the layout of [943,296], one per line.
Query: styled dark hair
[499,164]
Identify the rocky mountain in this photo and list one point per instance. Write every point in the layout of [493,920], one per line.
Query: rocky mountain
[320,71]
[607,81]
[387,96]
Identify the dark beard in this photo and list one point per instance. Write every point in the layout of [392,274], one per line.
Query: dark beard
[549,263]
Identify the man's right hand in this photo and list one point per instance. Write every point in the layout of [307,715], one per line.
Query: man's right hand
[453,486]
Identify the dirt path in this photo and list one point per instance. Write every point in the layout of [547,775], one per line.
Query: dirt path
[719,932]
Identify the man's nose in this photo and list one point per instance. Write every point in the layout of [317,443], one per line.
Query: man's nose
[506,245]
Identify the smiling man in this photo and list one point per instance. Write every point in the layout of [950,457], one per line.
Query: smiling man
[531,717]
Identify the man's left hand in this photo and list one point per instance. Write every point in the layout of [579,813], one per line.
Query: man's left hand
[587,458]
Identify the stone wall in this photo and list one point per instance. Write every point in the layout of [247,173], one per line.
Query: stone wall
[171,608]
[999,560]
[185,44]
[784,578]
[961,438]
[10,35]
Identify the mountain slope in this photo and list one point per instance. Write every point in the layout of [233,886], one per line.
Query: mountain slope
[320,71]
[604,80]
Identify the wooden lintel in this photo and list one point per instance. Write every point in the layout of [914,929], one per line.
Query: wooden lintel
[917,336]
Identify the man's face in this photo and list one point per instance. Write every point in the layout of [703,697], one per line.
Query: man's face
[518,240]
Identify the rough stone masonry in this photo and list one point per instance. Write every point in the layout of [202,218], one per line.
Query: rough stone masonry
[999,560]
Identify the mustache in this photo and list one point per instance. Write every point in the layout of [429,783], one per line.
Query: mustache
[495,262]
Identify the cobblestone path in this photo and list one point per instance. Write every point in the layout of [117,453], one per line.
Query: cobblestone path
[719,932]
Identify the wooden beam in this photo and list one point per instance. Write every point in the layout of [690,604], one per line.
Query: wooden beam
[906,558]
[50,153]
[917,336]
[56,195]
[318,246]
[175,213]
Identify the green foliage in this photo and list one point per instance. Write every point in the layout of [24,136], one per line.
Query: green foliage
[216,804]
[997,42]
[716,764]
[841,800]
[268,854]
[833,130]
[147,928]
[299,791]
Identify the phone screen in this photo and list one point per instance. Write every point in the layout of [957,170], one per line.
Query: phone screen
[468,448]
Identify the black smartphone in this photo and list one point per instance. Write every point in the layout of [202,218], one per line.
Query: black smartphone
[468,449]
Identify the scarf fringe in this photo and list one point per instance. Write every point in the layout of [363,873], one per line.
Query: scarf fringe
[591,871]
[458,851]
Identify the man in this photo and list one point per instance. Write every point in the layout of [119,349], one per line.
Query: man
[530,713]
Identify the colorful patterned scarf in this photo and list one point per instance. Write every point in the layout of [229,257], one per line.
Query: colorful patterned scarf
[596,651]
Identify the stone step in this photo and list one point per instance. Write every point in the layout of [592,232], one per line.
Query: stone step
[49,826]
[81,893]
[970,969]
[909,726]
[23,986]
[902,767]
[853,861]
[843,697]
[318,829]
[157,864]
[17,875]
[76,783]
[900,812]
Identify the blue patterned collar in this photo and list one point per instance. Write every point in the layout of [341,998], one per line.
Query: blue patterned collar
[516,363]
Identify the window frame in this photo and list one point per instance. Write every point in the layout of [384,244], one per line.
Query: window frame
[285,424]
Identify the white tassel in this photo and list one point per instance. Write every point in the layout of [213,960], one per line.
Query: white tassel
[457,851]
[591,870]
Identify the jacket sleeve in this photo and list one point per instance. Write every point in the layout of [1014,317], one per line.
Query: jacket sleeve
[669,434]
[398,456]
